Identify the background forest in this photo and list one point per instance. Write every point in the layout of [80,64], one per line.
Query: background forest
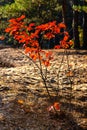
[72,12]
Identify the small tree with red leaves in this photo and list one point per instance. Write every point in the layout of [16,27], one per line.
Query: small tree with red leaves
[30,35]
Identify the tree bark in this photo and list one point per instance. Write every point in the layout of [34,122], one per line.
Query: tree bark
[75,27]
[64,7]
[85,31]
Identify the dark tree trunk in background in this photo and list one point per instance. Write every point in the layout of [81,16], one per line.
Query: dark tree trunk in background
[75,28]
[67,14]
[85,31]
[64,13]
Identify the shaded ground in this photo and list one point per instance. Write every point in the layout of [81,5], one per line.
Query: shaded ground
[23,98]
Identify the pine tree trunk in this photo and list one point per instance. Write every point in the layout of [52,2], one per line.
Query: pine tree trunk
[75,28]
[85,31]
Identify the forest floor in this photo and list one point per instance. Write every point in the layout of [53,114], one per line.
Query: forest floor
[24,100]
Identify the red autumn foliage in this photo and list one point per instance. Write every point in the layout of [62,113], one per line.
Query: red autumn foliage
[53,109]
[57,47]
[49,35]
[56,106]
[62,25]
[30,34]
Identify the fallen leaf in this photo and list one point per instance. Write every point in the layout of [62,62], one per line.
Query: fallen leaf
[21,102]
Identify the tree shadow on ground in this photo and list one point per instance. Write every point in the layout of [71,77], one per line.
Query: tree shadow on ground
[24,116]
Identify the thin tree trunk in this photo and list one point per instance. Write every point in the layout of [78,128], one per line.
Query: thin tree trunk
[75,31]
[64,7]
[75,28]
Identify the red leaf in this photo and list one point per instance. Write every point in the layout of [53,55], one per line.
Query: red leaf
[49,35]
[27,50]
[12,20]
[61,25]
[57,47]
[7,30]
[57,106]
[65,38]
[46,63]
[20,18]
